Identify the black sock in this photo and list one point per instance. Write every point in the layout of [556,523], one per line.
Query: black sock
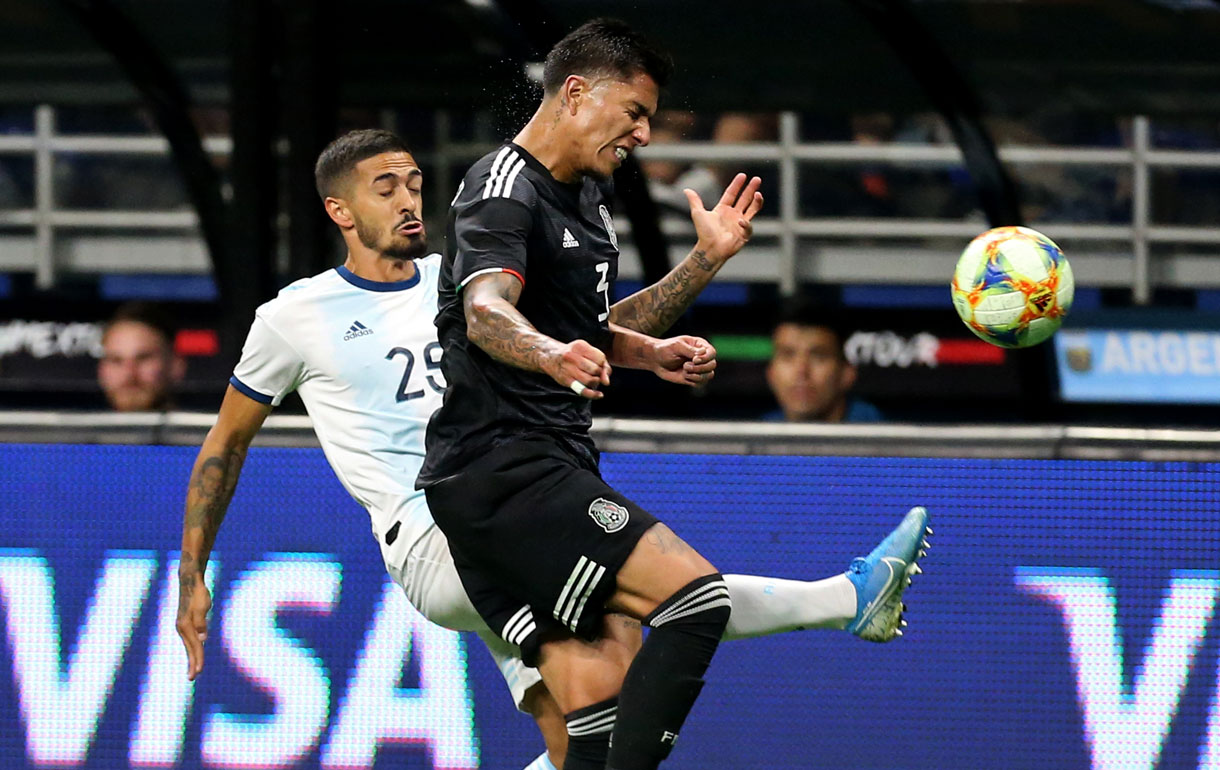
[666,675]
[589,735]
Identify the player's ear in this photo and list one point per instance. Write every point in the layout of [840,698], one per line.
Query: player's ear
[573,91]
[336,209]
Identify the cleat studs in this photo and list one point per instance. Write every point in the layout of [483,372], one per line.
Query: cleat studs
[925,543]
[928,530]
[902,624]
[916,569]
[908,581]
[898,632]
[922,553]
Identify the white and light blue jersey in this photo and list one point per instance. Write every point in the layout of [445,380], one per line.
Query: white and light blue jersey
[364,358]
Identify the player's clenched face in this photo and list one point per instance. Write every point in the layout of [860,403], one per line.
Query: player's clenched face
[385,202]
[610,120]
[808,374]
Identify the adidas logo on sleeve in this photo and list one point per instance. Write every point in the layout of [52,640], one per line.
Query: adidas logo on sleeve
[357,330]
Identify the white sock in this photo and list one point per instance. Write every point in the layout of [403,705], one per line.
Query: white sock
[543,762]
[763,605]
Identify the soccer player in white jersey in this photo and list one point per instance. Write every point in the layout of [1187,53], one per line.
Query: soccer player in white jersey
[358,344]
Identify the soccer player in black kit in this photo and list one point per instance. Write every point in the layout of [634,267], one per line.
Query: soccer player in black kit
[550,555]
[543,545]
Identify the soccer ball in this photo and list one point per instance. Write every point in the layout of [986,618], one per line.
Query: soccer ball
[1012,287]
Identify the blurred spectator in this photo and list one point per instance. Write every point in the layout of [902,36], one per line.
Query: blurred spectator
[1183,196]
[874,190]
[743,128]
[848,188]
[667,178]
[808,373]
[139,369]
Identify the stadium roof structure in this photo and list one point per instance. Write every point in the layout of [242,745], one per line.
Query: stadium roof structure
[1156,57]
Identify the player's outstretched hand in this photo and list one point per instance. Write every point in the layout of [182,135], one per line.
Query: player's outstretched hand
[193,624]
[581,367]
[723,231]
[685,360]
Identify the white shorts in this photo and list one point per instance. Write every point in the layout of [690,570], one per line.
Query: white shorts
[433,587]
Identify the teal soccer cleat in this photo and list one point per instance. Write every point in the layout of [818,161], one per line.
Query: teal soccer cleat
[882,576]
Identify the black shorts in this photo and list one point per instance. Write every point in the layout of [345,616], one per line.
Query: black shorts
[537,537]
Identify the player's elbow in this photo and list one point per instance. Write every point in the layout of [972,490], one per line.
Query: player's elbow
[227,440]
[473,334]
[477,314]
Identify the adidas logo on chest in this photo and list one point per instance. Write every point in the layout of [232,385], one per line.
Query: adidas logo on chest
[569,240]
[357,330]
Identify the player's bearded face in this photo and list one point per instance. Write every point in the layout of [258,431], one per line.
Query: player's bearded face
[397,241]
[613,119]
[386,206]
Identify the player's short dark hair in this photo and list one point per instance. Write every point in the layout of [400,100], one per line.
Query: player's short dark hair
[152,315]
[604,47]
[800,311]
[342,155]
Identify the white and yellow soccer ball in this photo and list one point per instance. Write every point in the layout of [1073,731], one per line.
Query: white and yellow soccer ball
[1012,287]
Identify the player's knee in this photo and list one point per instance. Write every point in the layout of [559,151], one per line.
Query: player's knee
[701,607]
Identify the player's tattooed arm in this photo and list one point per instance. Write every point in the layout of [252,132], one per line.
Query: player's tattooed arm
[214,479]
[654,310]
[683,360]
[494,323]
[207,499]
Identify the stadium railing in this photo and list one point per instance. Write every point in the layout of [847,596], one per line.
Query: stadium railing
[789,248]
[617,434]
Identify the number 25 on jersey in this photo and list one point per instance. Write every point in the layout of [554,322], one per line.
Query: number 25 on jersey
[432,361]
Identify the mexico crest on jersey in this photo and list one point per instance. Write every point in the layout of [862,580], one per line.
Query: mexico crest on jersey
[608,514]
[609,222]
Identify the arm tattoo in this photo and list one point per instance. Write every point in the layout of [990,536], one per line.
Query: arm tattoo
[211,488]
[631,624]
[653,310]
[495,325]
[665,541]
[188,572]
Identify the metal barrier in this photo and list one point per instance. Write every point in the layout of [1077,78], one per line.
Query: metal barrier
[1069,442]
[789,248]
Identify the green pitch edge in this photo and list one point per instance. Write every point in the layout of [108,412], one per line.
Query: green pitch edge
[741,347]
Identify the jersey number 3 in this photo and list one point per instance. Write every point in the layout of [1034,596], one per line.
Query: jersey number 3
[432,360]
[603,285]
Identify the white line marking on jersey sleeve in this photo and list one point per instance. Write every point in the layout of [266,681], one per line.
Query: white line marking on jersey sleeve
[491,176]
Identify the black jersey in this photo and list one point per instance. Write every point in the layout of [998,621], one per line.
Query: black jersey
[510,215]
